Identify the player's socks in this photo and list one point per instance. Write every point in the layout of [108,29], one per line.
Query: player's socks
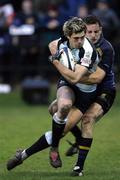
[24,155]
[57,130]
[76,132]
[84,147]
[39,145]
[42,143]
[74,146]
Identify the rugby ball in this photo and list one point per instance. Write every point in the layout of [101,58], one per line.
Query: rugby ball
[67,58]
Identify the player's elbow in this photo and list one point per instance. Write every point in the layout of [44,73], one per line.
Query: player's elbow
[100,78]
[97,80]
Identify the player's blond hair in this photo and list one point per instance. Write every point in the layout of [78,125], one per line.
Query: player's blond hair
[74,25]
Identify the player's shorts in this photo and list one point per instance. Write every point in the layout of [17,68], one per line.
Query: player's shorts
[82,99]
[106,98]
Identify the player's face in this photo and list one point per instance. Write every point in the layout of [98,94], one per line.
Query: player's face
[76,40]
[93,32]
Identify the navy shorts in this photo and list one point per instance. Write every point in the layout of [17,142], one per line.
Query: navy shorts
[106,98]
[82,99]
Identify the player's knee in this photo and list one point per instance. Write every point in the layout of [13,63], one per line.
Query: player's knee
[87,130]
[88,118]
[65,108]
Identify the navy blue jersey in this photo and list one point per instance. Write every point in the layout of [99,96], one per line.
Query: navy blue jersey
[106,54]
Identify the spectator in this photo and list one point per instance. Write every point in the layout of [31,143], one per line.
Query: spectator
[108,17]
[26,15]
[82,11]
[6,18]
[7,13]
[52,22]
[69,7]
[25,39]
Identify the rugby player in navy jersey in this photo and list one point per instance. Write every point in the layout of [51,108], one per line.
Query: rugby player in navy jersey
[99,107]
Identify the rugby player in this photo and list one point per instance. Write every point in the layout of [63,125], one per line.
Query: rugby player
[46,139]
[70,92]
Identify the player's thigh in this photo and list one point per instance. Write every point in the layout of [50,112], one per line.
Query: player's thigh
[73,118]
[106,99]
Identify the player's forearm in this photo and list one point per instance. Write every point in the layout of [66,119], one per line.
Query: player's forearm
[89,80]
[68,74]
[94,78]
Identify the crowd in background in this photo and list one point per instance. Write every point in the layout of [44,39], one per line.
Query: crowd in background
[27,26]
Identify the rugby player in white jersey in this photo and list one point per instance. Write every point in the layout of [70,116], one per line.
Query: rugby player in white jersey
[70,91]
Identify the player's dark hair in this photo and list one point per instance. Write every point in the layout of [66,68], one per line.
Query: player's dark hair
[91,19]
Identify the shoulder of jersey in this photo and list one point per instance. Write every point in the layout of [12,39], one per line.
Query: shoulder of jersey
[88,46]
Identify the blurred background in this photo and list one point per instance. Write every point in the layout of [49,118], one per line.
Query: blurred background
[26,28]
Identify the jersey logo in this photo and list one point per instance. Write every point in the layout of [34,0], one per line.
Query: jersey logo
[100,52]
[87,55]
[85,62]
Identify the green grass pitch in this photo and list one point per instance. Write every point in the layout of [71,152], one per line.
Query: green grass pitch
[21,125]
